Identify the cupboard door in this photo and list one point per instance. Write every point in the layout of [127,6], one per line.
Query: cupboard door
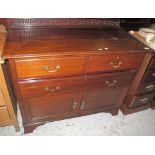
[99,100]
[106,92]
[50,107]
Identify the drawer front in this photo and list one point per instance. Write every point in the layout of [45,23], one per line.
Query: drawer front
[114,62]
[146,87]
[149,76]
[53,67]
[4,116]
[2,102]
[142,99]
[109,80]
[51,86]
[75,84]
[152,64]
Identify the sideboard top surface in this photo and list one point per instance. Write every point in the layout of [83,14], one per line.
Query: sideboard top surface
[32,42]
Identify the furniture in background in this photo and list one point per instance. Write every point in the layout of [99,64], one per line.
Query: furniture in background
[134,23]
[141,94]
[63,68]
[7,102]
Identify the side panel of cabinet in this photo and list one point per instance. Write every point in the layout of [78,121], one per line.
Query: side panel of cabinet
[4,116]
[2,102]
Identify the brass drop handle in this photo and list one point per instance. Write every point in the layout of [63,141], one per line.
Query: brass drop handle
[114,65]
[74,105]
[52,90]
[144,100]
[57,67]
[150,87]
[82,105]
[110,84]
[153,74]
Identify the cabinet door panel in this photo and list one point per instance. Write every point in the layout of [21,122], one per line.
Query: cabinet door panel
[50,107]
[106,95]
[99,100]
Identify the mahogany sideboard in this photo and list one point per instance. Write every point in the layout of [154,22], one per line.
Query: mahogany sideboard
[7,102]
[63,68]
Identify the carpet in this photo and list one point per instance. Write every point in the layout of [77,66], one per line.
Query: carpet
[101,124]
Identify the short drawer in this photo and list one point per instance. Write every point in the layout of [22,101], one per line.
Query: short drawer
[2,102]
[152,64]
[142,99]
[51,86]
[109,80]
[149,76]
[49,67]
[114,62]
[146,87]
[4,116]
